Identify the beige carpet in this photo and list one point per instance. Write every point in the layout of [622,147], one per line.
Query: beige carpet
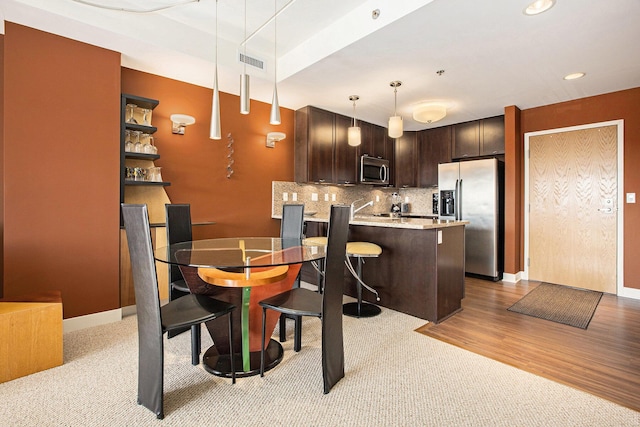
[560,304]
[394,377]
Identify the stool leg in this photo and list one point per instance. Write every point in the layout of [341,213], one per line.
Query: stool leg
[195,344]
[283,327]
[359,286]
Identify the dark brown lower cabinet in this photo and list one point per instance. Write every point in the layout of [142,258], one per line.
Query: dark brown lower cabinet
[415,274]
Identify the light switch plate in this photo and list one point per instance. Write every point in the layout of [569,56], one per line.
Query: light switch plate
[285,197]
[326,197]
[631,197]
[314,197]
[294,196]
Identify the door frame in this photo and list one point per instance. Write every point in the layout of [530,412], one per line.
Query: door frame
[619,203]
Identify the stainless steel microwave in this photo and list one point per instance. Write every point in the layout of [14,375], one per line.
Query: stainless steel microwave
[374,170]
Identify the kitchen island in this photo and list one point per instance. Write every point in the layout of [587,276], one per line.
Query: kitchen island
[420,271]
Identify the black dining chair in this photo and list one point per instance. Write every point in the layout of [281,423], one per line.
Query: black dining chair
[292,228]
[327,305]
[179,230]
[154,320]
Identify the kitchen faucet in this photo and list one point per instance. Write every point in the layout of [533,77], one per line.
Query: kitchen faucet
[354,210]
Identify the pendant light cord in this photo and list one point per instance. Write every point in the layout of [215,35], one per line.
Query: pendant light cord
[275,42]
[244,50]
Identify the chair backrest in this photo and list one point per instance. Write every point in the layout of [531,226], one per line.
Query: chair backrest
[332,348]
[292,223]
[178,230]
[145,283]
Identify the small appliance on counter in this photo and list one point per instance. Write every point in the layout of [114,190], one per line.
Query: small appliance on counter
[434,205]
[396,202]
[405,208]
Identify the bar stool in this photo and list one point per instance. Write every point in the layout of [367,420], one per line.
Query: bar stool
[319,266]
[361,250]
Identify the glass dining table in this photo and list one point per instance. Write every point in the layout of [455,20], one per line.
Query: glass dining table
[241,271]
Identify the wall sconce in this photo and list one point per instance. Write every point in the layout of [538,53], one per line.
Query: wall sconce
[179,121]
[273,137]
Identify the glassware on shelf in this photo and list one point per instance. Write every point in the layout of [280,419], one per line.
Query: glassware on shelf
[154,174]
[149,147]
[146,116]
[135,139]
[130,114]
[140,174]
[128,145]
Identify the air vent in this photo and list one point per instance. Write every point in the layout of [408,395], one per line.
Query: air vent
[254,62]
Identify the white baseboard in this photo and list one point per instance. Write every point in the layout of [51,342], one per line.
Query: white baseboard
[629,293]
[82,322]
[512,278]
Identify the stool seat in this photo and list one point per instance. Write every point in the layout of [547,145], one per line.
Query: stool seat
[315,241]
[366,249]
[361,250]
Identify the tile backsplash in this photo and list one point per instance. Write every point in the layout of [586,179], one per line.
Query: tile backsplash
[319,198]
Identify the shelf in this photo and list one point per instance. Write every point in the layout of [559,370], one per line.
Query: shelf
[141,128]
[141,156]
[131,182]
[141,101]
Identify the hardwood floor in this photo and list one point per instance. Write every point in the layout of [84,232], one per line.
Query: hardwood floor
[603,360]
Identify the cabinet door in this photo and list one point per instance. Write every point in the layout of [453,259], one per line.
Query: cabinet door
[405,160]
[466,140]
[345,166]
[434,147]
[320,145]
[492,136]
[380,144]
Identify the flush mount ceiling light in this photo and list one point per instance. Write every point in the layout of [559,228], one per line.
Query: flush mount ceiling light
[179,121]
[429,112]
[539,6]
[395,122]
[273,137]
[353,135]
[574,76]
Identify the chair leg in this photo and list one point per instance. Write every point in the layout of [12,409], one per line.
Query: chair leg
[283,328]
[297,340]
[195,344]
[231,354]
[264,327]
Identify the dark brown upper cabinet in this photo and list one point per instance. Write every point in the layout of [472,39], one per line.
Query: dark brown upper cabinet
[346,156]
[322,153]
[478,138]
[492,136]
[434,147]
[406,160]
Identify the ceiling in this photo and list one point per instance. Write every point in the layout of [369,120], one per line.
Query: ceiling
[491,53]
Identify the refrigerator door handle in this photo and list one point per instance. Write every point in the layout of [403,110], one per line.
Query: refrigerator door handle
[459,199]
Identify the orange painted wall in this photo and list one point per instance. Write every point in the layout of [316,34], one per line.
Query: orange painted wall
[61,169]
[613,106]
[196,166]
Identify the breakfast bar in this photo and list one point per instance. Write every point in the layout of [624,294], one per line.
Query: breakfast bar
[421,269]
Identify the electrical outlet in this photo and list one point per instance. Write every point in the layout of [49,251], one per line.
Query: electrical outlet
[314,197]
[333,197]
[377,198]
[326,197]
[285,197]
[294,196]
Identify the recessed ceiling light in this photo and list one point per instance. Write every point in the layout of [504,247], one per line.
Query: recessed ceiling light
[574,76]
[539,6]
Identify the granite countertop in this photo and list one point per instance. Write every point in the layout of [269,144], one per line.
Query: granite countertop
[376,221]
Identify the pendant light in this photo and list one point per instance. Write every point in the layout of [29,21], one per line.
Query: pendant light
[245,100]
[395,122]
[353,135]
[215,132]
[274,119]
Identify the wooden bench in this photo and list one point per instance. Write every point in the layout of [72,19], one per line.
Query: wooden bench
[30,334]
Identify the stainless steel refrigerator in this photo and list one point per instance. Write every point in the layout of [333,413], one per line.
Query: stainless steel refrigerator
[473,191]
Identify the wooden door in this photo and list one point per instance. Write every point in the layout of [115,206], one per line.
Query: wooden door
[573,208]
